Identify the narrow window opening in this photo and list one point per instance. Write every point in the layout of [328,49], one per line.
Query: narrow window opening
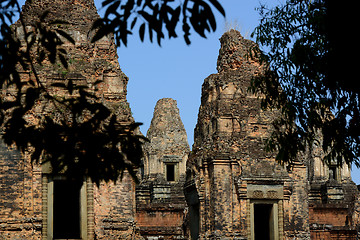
[170,172]
[333,173]
[66,218]
[263,221]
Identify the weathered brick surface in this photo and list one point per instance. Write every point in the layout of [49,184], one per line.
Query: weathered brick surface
[162,221]
[335,215]
[114,208]
[337,234]
[20,201]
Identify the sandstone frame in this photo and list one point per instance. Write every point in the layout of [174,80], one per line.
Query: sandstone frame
[274,221]
[86,208]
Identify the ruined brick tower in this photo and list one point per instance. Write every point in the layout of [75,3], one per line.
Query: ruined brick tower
[160,201]
[233,188]
[236,190]
[37,205]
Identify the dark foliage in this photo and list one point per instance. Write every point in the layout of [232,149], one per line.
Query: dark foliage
[81,137]
[121,18]
[310,79]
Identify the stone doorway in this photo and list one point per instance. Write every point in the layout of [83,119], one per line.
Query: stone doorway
[66,209]
[264,220]
[194,219]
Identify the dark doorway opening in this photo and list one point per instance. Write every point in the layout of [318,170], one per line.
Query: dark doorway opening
[66,210]
[194,215]
[262,221]
[170,172]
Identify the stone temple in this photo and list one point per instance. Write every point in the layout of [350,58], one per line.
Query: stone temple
[227,187]
[236,190]
[160,200]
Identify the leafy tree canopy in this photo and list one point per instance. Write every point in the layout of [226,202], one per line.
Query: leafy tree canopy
[310,79]
[82,137]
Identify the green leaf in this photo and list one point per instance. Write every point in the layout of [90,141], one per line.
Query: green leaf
[106,2]
[44,15]
[150,34]
[133,23]
[112,8]
[63,60]
[218,6]
[101,32]
[32,94]
[186,29]
[70,86]
[149,18]
[210,17]
[142,31]
[65,35]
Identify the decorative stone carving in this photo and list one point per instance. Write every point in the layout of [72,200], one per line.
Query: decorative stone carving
[265,191]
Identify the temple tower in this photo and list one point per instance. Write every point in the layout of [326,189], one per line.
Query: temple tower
[36,204]
[237,190]
[160,201]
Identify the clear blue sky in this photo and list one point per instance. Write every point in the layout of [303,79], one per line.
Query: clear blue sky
[177,71]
